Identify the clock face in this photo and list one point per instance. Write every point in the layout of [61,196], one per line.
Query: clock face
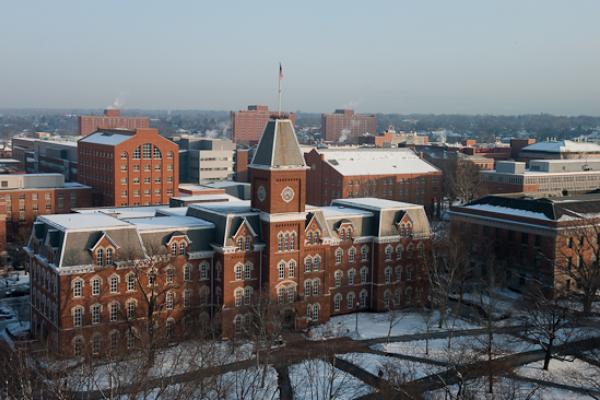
[287,194]
[261,193]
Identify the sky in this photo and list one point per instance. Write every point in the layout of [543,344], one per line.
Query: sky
[459,56]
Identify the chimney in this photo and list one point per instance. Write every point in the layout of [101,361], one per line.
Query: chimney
[112,112]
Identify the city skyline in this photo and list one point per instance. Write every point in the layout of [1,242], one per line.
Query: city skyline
[390,57]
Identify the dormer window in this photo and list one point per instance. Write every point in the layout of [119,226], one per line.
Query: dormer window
[240,243]
[310,238]
[182,248]
[248,243]
[109,256]
[174,249]
[406,229]
[100,256]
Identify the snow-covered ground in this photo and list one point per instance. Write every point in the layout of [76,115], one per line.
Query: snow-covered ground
[317,379]
[570,371]
[376,325]
[397,369]
[459,349]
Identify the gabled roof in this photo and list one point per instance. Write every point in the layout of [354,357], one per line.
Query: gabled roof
[278,146]
[110,240]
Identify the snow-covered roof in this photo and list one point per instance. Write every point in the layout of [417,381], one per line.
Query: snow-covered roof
[376,161]
[206,197]
[168,222]
[508,211]
[563,146]
[123,212]
[338,211]
[110,138]
[375,203]
[83,221]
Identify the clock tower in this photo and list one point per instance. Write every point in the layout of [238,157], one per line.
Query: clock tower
[278,178]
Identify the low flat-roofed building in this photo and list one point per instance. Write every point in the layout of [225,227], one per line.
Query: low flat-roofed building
[559,150]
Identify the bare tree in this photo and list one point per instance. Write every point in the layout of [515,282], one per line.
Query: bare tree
[462,180]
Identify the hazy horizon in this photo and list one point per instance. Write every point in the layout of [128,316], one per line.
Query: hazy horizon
[436,57]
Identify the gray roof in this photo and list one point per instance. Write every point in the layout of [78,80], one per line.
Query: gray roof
[278,146]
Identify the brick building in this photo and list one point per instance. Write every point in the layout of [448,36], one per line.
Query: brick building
[532,240]
[112,119]
[394,174]
[346,127]
[90,275]
[129,167]
[27,196]
[247,125]
[391,138]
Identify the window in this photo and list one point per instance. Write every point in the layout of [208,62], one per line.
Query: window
[96,308]
[291,294]
[338,279]
[170,327]
[338,256]
[399,273]
[310,238]
[281,270]
[240,243]
[187,272]
[182,248]
[170,300]
[78,346]
[247,295]
[131,338]
[248,243]
[293,241]
[409,273]
[363,275]
[286,242]
[114,284]
[351,275]
[187,298]
[157,154]
[137,153]
[114,311]
[77,288]
[170,278]
[131,282]
[248,271]
[238,272]
[124,155]
[96,287]
[113,338]
[388,253]
[280,242]
[204,269]
[238,295]
[316,263]
[351,254]
[337,302]
[170,155]
[77,317]
[238,324]
[316,287]
[100,256]
[308,288]
[386,299]
[292,269]
[174,249]
[109,256]
[307,264]
[281,295]
[147,150]
[204,295]
[399,250]
[131,309]
[388,275]
[350,300]
[363,298]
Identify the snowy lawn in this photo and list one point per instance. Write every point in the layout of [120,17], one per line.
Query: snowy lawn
[377,325]
[317,379]
[400,370]
[459,350]
[571,371]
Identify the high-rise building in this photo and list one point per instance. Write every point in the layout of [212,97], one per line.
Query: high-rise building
[345,126]
[247,125]
[129,167]
[111,119]
[91,275]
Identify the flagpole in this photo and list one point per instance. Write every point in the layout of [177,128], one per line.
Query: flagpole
[279,89]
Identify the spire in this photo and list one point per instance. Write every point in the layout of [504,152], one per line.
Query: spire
[278,147]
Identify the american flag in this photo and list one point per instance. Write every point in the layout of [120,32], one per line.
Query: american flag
[280,72]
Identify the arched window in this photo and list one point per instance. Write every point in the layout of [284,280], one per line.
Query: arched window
[238,295]
[170,275]
[308,264]
[316,287]
[291,269]
[100,256]
[248,271]
[338,256]
[388,252]
[132,336]
[291,294]
[78,346]
[286,242]
[316,263]
[182,248]
[114,283]
[240,243]
[364,253]
[280,241]
[113,341]
[130,282]
[293,241]
[399,273]
[364,271]
[397,297]
[114,311]
[338,279]
[187,272]
[96,313]
[204,270]
[109,256]
[388,275]
[131,309]
[337,302]
[174,248]
[281,270]
[147,151]
[247,295]
[399,251]
[157,153]
[386,299]
[137,153]
[204,295]
[170,155]
[350,299]
[96,282]
[238,324]
[123,155]
[363,298]
[317,237]
[307,287]
[310,238]
[351,275]
[238,272]
[281,295]
[170,300]
[351,254]
[248,243]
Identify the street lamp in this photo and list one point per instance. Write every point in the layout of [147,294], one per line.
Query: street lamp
[356,319]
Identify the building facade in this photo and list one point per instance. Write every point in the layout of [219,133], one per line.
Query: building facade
[112,119]
[559,150]
[204,160]
[345,126]
[247,125]
[129,168]
[393,174]
[27,196]
[91,275]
